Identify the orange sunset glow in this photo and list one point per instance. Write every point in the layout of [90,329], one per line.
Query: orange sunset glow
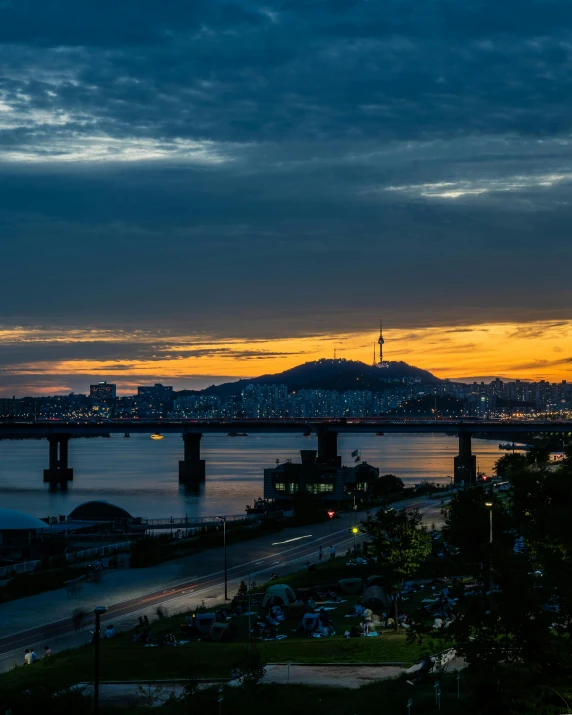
[531,351]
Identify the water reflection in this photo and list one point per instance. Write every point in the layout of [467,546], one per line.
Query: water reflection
[141,475]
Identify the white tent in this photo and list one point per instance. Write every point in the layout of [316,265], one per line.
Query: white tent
[280,592]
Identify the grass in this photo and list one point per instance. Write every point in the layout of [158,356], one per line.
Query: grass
[121,659]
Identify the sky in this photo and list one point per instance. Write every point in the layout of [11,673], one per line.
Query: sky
[192,192]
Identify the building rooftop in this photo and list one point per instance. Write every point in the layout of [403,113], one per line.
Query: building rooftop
[11,520]
[99,511]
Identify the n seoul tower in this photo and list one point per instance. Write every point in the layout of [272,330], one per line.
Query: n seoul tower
[380,342]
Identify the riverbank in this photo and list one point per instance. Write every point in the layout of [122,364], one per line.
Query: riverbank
[176,585]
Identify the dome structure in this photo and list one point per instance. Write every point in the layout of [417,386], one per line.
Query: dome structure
[12,520]
[99,511]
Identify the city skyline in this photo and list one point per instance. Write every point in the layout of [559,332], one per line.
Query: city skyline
[462,353]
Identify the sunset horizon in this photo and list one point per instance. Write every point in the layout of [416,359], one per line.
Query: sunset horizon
[532,351]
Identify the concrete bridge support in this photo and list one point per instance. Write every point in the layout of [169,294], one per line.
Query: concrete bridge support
[58,471]
[328,447]
[192,468]
[465,462]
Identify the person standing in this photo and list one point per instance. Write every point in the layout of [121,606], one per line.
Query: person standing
[47,651]
[320,553]
[332,552]
[368,620]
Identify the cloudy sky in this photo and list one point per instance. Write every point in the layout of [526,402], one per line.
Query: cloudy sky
[193,191]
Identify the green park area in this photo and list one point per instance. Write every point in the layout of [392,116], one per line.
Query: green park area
[494,585]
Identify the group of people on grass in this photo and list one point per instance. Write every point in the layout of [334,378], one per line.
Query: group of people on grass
[371,621]
[31,657]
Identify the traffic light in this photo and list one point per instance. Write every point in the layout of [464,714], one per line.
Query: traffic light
[331,513]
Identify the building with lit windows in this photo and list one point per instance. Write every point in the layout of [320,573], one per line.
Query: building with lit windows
[103,391]
[332,482]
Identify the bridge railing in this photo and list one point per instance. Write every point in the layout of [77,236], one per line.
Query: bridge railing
[14,569]
[98,552]
[190,521]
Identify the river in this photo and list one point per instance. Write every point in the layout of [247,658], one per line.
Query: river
[141,474]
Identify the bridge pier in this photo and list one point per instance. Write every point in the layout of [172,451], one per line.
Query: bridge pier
[58,472]
[465,463]
[328,447]
[192,467]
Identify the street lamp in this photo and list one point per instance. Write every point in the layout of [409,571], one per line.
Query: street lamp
[355,532]
[223,519]
[490,506]
[99,611]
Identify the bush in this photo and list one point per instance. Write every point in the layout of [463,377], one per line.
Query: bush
[387,484]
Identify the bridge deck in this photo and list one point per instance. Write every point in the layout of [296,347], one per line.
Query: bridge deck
[23,430]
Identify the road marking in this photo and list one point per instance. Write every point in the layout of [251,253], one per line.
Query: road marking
[277,543]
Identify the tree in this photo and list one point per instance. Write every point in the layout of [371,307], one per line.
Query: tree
[387,484]
[308,508]
[401,545]
[539,454]
[516,638]
[510,463]
[467,528]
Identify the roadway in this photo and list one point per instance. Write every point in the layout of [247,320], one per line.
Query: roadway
[131,593]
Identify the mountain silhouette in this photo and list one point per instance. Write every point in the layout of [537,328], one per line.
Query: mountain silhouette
[341,375]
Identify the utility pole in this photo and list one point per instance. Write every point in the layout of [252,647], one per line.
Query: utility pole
[99,611]
[223,519]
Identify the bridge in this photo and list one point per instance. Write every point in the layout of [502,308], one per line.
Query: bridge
[192,468]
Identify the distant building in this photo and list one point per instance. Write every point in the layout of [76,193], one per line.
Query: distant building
[103,391]
[11,408]
[155,401]
[155,393]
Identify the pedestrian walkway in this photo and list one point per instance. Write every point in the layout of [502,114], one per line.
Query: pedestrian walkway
[155,694]
[335,676]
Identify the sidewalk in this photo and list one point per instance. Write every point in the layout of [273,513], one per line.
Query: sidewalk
[336,676]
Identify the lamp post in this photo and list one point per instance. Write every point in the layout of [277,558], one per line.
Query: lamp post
[490,506]
[223,519]
[355,532]
[99,611]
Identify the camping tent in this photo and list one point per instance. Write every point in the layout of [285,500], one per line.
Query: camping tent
[309,623]
[223,632]
[375,598]
[351,586]
[282,593]
[204,622]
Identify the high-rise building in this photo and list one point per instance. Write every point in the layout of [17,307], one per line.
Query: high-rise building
[103,391]
[155,393]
